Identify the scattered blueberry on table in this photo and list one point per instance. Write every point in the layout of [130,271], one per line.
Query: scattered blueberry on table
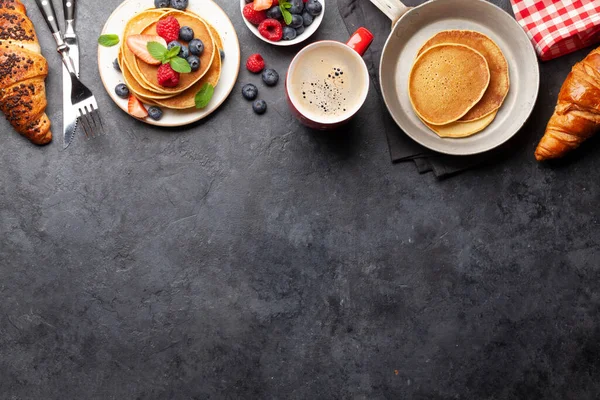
[270,77]
[259,107]
[249,91]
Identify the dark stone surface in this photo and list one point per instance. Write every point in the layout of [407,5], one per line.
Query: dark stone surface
[246,257]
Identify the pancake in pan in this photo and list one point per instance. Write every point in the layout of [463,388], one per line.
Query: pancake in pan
[499,75]
[446,81]
[460,129]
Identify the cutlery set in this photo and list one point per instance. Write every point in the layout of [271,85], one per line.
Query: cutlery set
[79,104]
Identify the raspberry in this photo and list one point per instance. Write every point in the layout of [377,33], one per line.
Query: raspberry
[168,29]
[253,16]
[255,63]
[271,29]
[167,77]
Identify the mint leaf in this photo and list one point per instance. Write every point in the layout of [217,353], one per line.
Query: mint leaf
[204,95]
[156,50]
[173,52]
[287,16]
[108,40]
[180,65]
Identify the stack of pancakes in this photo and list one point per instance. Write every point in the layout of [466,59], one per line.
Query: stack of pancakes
[141,78]
[458,82]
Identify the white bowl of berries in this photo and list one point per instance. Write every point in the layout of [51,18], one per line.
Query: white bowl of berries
[283,22]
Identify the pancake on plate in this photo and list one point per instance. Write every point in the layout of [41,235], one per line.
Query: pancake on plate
[460,129]
[446,81]
[499,75]
[186,99]
[149,72]
[133,84]
[134,26]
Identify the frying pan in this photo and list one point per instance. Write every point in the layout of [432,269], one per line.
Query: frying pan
[412,27]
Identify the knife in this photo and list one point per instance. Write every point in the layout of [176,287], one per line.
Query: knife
[69,113]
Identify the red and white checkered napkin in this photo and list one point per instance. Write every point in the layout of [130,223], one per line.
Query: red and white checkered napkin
[559,27]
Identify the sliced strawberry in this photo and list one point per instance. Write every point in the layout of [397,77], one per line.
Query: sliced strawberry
[138,44]
[260,5]
[135,108]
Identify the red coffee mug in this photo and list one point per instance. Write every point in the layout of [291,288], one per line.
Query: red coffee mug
[351,52]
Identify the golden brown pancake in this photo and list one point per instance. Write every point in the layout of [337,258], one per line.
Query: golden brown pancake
[133,85]
[134,26]
[201,31]
[499,77]
[186,99]
[446,81]
[460,129]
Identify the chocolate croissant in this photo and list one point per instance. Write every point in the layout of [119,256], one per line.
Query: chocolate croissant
[577,114]
[22,73]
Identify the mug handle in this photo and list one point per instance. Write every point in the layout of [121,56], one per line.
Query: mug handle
[360,40]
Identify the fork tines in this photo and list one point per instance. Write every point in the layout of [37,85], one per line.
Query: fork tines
[90,118]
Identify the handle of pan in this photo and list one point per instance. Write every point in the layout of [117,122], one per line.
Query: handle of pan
[394,9]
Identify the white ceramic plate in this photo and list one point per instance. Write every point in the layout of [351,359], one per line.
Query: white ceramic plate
[299,39]
[418,25]
[210,11]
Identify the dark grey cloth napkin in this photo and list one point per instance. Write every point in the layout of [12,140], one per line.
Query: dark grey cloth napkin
[357,13]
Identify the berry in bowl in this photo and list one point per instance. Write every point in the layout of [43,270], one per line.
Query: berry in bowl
[283,22]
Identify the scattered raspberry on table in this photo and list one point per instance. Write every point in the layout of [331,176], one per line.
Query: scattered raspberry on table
[255,63]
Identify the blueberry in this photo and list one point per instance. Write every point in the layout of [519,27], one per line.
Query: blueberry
[196,47]
[116,65]
[155,113]
[289,33]
[222,54]
[274,12]
[186,33]
[194,62]
[173,44]
[179,4]
[297,7]
[161,3]
[308,19]
[184,52]
[300,30]
[270,77]
[314,8]
[249,91]
[122,91]
[259,106]
[297,21]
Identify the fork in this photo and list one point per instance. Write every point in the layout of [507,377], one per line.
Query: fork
[82,98]
[393,9]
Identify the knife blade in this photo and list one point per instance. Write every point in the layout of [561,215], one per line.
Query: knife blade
[69,113]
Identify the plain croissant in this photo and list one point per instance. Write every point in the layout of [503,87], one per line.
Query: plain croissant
[22,73]
[577,114]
